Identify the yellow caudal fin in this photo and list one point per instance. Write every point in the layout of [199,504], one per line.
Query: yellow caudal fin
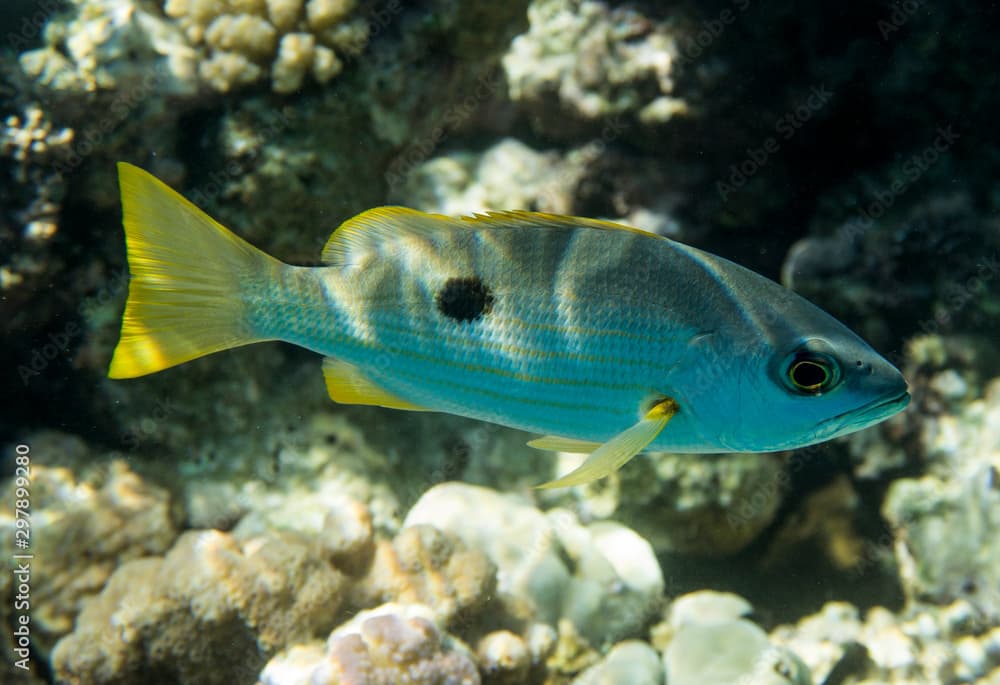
[613,454]
[184,296]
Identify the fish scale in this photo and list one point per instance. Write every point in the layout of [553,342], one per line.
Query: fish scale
[495,366]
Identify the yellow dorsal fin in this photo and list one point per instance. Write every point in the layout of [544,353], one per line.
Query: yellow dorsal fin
[375,225]
[521,219]
[613,454]
[347,385]
[557,444]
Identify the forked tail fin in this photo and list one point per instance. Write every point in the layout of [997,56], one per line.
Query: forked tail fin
[186,295]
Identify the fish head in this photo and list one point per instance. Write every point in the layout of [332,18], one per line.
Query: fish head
[782,373]
[833,385]
[812,379]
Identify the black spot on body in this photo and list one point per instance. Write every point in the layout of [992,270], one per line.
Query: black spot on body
[464,299]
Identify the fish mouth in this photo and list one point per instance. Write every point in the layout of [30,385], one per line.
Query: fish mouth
[872,412]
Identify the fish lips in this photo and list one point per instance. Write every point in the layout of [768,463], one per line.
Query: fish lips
[869,414]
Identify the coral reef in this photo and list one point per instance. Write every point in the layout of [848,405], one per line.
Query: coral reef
[504,658]
[88,517]
[32,143]
[111,44]
[631,662]
[703,505]
[239,43]
[711,642]
[863,265]
[945,522]
[592,61]
[926,644]
[512,175]
[387,645]
[422,565]
[211,611]
[603,577]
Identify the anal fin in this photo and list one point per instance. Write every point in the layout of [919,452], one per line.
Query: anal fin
[613,454]
[346,384]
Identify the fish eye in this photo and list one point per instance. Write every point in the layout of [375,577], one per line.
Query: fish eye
[811,373]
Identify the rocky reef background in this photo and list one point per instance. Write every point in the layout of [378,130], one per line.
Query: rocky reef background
[224,522]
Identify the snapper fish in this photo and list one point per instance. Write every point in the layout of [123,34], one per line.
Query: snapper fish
[606,339]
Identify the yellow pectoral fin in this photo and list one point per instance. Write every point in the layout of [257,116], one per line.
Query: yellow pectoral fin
[613,454]
[347,385]
[557,444]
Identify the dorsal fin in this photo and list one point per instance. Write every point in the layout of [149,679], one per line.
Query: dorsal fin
[517,218]
[375,225]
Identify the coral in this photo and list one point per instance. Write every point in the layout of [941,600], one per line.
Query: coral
[117,44]
[603,577]
[112,45]
[503,658]
[946,544]
[240,42]
[944,522]
[712,643]
[213,610]
[705,505]
[88,515]
[33,144]
[388,645]
[315,466]
[632,662]
[512,175]
[926,644]
[340,528]
[422,565]
[595,62]
[32,140]
[864,265]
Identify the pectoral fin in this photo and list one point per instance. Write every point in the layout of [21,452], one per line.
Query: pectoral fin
[613,454]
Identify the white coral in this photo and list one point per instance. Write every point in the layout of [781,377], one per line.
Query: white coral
[221,44]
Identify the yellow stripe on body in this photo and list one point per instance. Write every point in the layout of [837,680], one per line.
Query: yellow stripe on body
[516,350]
[603,409]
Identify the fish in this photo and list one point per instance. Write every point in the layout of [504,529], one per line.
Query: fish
[604,339]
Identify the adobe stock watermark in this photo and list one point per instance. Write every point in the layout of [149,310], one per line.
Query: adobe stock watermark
[552,192]
[420,151]
[709,31]
[29,31]
[22,557]
[784,128]
[275,122]
[901,13]
[117,111]
[910,172]
[61,341]
[958,295]
[141,430]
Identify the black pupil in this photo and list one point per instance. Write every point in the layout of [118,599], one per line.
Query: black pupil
[808,374]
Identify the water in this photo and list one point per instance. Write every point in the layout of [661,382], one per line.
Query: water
[225,522]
